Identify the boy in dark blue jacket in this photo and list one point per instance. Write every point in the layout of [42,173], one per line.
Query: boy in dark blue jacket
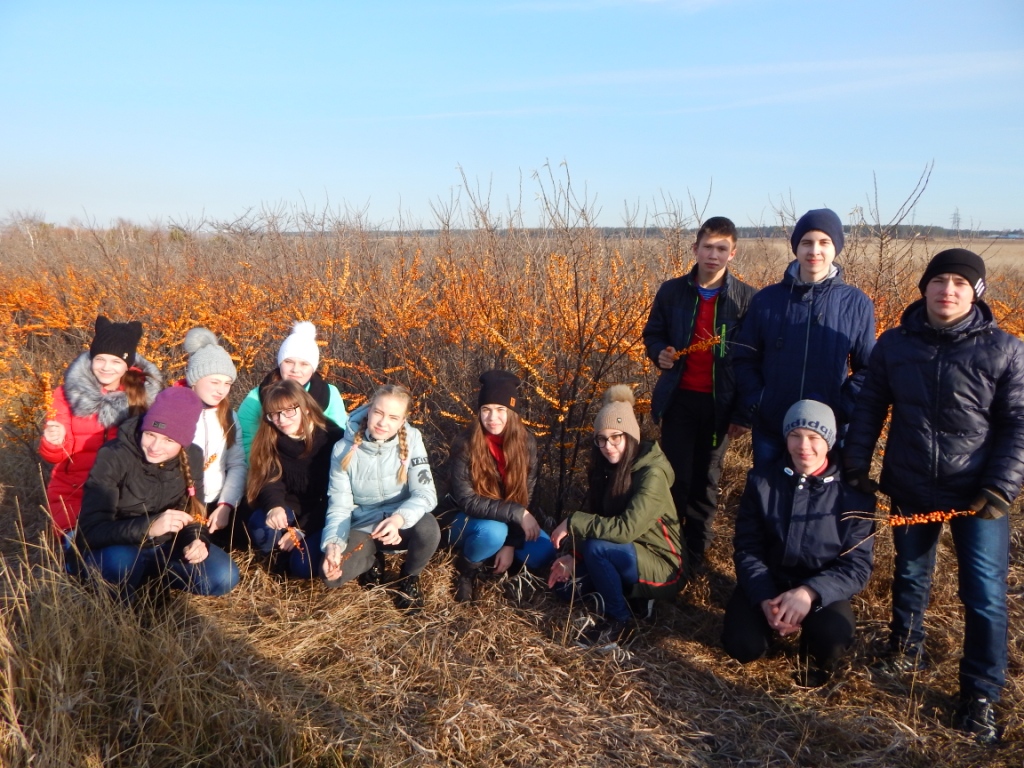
[807,337]
[696,392]
[803,549]
[955,383]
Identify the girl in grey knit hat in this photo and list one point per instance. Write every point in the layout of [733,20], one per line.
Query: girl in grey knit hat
[210,374]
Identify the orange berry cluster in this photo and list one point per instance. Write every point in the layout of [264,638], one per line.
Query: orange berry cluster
[939,516]
[293,533]
[700,346]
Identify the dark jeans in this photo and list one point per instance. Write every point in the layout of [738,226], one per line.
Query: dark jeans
[608,568]
[129,567]
[479,539]
[688,440]
[768,447]
[359,556]
[982,553]
[302,561]
[825,635]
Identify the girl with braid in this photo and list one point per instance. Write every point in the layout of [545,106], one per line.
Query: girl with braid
[289,470]
[142,512]
[381,499]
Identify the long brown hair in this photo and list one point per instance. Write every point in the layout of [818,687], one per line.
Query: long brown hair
[483,469]
[612,482]
[388,390]
[193,505]
[264,463]
[134,382]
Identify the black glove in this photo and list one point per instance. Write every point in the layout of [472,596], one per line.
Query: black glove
[990,505]
[861,481]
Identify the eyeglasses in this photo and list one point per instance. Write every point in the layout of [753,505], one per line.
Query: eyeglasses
[284,413]
[614,440]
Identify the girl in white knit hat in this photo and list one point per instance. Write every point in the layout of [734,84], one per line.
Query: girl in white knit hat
[297,359]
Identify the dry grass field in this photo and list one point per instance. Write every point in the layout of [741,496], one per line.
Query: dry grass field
[290,674]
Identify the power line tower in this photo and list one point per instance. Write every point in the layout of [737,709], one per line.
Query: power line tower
[955,220]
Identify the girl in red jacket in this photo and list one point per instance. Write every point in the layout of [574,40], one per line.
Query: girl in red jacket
[102,388]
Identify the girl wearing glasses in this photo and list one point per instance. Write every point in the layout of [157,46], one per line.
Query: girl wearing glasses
[297,360]
[627,547]
[141,509]
[289,471]
[382,499]
[210,374]
[494,471]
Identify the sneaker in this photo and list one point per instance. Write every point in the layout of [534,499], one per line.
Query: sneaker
[408,595]
[978,716]
[605,635]
[899,662]
[376,575]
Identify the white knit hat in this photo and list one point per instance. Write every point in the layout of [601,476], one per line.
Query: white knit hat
[301,345]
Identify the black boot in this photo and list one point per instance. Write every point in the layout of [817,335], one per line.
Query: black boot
[466,579]
[376,575]
[408,595]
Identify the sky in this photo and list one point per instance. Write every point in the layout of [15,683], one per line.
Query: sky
[399,114]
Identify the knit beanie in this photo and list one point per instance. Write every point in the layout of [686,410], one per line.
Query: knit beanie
[812,415]
[617,411]
[206,357]
[498,388]
[301,345]
[821,220]
[957,261]
[174,413]
[117,339]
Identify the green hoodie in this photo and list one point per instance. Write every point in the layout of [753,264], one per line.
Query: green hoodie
[649,521]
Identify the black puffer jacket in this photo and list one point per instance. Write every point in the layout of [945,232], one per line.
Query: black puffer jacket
[794,529]
[670,324]
[302,486]
[125,493]
[485,508]
[958,411]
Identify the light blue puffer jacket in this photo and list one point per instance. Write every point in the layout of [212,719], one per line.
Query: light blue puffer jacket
[369,491]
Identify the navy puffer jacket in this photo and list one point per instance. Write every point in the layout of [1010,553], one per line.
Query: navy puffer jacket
[670,324]
[800,341]
[958,411]
[794,529]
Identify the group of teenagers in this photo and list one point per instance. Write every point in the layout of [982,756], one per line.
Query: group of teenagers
[153,482]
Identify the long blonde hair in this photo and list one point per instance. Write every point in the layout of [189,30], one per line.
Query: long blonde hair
[388,390]
[264,463]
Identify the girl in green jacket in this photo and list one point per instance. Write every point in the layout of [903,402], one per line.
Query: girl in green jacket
[628,545]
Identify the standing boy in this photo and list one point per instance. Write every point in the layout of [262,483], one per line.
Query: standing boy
[688,336]
[808,337]
[955,382]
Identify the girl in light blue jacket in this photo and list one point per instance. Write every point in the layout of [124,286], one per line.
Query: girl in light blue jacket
[382,498]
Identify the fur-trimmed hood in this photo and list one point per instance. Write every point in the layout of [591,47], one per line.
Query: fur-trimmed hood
[86,397]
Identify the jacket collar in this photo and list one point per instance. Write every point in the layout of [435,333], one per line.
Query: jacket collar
[979,320]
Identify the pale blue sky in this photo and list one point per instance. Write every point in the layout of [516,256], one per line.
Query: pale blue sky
[169,112]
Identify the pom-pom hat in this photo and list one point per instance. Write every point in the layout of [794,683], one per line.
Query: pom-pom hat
[206,357]
[301,345]
[617,412]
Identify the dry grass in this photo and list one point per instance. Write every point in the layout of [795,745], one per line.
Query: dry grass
[291,674]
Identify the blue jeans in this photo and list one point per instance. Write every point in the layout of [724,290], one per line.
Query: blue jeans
[767,447]
[303,562]
[982,553]
[129,567]
[479,539]
[608,568]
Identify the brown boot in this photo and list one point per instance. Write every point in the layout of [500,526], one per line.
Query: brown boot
[466,580]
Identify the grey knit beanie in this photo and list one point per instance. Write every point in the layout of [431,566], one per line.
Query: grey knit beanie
[206,357]
[617,411]
[812,415]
